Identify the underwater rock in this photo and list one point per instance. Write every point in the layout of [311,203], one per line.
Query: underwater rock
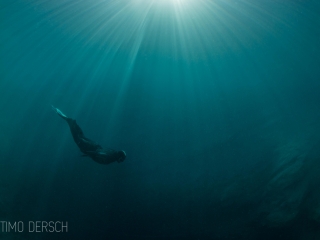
[282,209]
[315,213]
[284,192]
[289,189]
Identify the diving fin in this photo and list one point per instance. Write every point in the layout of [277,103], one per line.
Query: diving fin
[61,114]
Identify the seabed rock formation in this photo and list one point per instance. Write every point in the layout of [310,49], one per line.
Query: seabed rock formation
[286,193]
[294,186]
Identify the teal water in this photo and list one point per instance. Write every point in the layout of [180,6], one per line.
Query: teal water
[213,101]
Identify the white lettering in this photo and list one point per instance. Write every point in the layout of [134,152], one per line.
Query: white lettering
[38,226]
[44,226]
[3,223]
[55,226]
[11,226]
[41,226]
[65,226]
[51,226]
[20,226]
[31,224]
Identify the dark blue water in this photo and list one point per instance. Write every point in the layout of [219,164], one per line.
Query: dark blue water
[216,104]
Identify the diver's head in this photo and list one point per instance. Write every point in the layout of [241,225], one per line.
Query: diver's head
[121,156]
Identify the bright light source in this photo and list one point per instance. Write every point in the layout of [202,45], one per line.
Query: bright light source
[177,1]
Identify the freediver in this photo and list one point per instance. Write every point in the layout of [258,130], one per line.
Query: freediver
[88,147]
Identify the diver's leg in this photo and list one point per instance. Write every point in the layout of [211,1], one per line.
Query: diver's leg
[83,143]
[74,127]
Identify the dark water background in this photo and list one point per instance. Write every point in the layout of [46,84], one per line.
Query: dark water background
[206,97]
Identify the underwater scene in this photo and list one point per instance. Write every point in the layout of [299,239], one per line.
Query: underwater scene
[160,119]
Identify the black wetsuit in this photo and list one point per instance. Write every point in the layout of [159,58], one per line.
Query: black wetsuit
[88,147]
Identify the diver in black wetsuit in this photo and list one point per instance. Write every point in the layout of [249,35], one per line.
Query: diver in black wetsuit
[90,148]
